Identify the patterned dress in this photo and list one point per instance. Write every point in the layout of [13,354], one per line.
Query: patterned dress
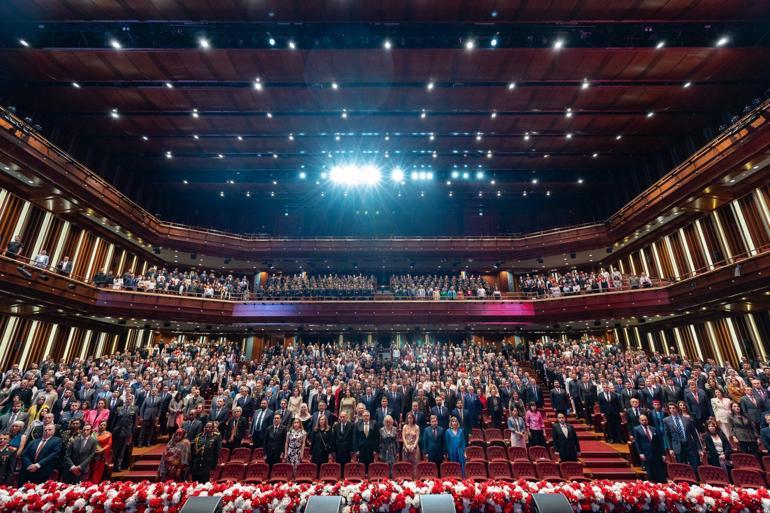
[389,445]
[295,443]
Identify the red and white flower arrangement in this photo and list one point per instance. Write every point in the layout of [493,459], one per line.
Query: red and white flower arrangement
[383,497]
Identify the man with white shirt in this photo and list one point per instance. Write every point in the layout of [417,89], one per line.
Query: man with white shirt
[565,439]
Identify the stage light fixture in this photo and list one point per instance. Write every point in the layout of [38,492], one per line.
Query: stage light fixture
[75,85]
[470,44]
[455,174]
[116,44]
[430,86]
[687,84]
[195,136]
[466,175]
[24,43]
[479,175]
[722,41]
[195,113]
[493,114]
[292,45]
[595,155]
[169,85]
[580,181]
[271,41]
[387,44]
[258,84]
[493,43]
[302,175]
[511,86]
[660,45]
[650,114]
[558,44]
[355,175]
[114,114]
[335,86]
[204,43]
[397,175]
[145,138]
[586,84]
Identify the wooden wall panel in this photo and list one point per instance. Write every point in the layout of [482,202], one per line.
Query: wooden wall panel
[12,207]
[756,223]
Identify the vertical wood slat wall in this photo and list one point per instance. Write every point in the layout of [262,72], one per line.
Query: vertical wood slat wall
[26,340]
[41,230]
[739,227]
[728,339]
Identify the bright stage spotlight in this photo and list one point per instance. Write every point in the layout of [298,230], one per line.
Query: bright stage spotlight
[355,175]
[397,175]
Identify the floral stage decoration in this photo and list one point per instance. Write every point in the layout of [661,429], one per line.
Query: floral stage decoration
[383,497]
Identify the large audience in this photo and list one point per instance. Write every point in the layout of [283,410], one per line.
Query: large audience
[574,282]
[309,286]
[442,287]
[347,402]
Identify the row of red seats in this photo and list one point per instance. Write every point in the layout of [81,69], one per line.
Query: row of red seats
[259,472]
[716,476]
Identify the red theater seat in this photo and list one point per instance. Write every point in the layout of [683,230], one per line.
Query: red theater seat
[474,453]
[354,472]
[500,469]
[495,452]
[281,473]
[494,436]
[426,470]
[517,453]
[681,473]
[330,472]
[257,472]
[745,461]
[306,473]
[451,470]
[232,471]
[711,475]
[548,471]
[748,478]
[538,453]
[224,455]
[476,470]
[240,455]
[403,471]
[379,471]
[573,471]
[524,470]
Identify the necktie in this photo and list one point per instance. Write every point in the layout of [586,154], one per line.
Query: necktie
[40,447]
[649,433]
[366,430]
[636,412]
[435,433]
[679,427]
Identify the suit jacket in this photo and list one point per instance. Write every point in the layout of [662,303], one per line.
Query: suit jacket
[342,439]
[647,396]
[365,445]
[671,439]
[751,409]
[610,407]
[672,396]
[442,415]
[560,400]
[533,394]
[80,452]
[626,395]
[369,403]
[433,447]
[764,435]
[656,419]
[241,424]
[711,448]
[150,409]
[587,393]
[274,442]
[649,448]
[379,416]
[190,404]
[267,421]
[699,408]
[5,420]
[123,421]
[632,418]
[48,460]
[219,415]
[568,446]
[396,403]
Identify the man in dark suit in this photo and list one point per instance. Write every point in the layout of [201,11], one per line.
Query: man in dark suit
[698,405]
[15,414]
[559,398]
[681,439]
[461,414]
[321,412]
[275,440]
[205,453]
[396,402]
[419,416]
[235,429]
[533,394]
[751,408]
[123,424]
[219,414]
[609,405]
[369,400]
[40,457]
[80,452]
[587,398]
[632,415]
[565,439]
[245,401]
[262,418]
[113,403]
[433,444]
[383,411]
[671,392]
[648,443]
[284,412]
[366,440]
[62,404]
[628,393]
[342,439]
[651,392]
[441,412]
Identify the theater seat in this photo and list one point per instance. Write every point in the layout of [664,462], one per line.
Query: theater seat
[745,461]
[257,472]
[224,456]
[474,453]
[451,470]
[495,452]
[475,470]
[281,473]
[681,473]
[330,472]
[306,473]
[232,471]
[517,453]
[241,455]
[538,453]
[748,478]
[403,471]
[354,472]
[711,475]
[379,471]
[573,471]
[426,470]
[548,471]
[524,470]
[500,469]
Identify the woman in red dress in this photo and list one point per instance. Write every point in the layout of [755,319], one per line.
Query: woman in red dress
[103,453]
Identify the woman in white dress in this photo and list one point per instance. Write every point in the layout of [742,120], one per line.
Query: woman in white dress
[518,429]
[721,407]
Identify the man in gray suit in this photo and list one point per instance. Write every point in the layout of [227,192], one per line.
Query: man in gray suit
[751,407]
[80,453]
[15,414]
[681,439]
[149,413]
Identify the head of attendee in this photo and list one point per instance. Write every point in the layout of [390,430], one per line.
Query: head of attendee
[561,418]
[296,424]
[323,423]
[454,424]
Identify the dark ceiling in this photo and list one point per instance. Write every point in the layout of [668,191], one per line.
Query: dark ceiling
[585,128]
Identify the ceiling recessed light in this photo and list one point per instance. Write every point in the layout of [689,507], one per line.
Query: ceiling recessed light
[568,113]
[511,85]
[75,85]
[195,136]
[470,44]
[534,181]
[169,85]
[275,155]
[292,45]
[258,84]
[115,44]
[114,114]
[580,180]
[618,137]
[24,43]
[432,137]
[650,114]
[291,137]
[269,115]
[595,155]
[204,43]
[547,193]
[568,136]
[271,41]
[687,84]
[335,86]
[660,45]
[586,84]
[722,41]
[430,86]
[221,156]
[169,155]
[478,136]
[387,44]
[423,114]
[493,43]
[185,182]
[195,113]
[558,44]
[526,136]
[145,138]
[344,114]
[240,138]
